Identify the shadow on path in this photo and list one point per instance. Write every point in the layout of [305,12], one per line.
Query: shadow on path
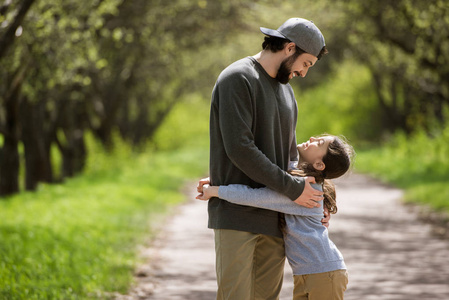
[390,254]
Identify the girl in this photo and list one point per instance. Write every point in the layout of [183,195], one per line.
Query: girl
[318,267]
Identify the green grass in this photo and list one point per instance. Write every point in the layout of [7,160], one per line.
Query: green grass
[418,164]
[78,240]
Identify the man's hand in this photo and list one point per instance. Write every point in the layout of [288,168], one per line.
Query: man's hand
[326,219]
[310,196]
[199,187]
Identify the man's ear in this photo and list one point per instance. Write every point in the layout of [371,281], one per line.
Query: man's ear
[319,165]
[290,48]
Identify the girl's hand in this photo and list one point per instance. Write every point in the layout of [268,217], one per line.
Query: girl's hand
[208,192]
[327,216]
[199,187]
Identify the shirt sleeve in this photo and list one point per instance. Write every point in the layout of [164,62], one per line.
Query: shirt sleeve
[293,164]
[267,198]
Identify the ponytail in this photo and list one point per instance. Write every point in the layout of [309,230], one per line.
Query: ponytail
[330,196]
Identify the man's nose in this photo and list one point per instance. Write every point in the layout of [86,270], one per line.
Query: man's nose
[303,73]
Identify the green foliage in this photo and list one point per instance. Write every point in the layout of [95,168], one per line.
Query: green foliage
[78,240]
[344,104]
[419,164]
[103,67]
[404,43]
[187,125]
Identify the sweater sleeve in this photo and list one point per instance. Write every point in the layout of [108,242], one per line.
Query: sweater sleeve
[235,121]
[268,199]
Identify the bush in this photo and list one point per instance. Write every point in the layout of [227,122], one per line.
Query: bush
[419,164]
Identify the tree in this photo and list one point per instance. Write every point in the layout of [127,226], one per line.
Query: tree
[405,44]
[99,66]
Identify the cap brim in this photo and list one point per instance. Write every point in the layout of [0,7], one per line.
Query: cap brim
[272,32]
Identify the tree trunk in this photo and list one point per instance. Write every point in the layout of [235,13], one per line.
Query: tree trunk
[9,160]
[387,88]
[38,166]
[74,153]
[73,148]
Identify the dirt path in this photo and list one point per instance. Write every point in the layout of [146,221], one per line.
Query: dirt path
[390,254]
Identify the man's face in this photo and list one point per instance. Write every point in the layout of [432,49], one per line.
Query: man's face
[294,66]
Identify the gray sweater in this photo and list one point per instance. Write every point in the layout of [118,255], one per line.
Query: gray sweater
[307,245]
[252,139]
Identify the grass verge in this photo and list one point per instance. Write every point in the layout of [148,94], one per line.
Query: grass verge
[78,240]
[418,164]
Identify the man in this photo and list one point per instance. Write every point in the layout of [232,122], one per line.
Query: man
[252,141]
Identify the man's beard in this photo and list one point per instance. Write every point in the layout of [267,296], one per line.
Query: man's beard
[285,69]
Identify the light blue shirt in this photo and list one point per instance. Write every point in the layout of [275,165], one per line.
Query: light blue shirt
[307,245]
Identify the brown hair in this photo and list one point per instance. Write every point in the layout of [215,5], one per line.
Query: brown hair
[322,52]
[338,158]
[275,44]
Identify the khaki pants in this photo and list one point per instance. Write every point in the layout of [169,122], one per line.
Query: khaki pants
[320,286]
[249,266]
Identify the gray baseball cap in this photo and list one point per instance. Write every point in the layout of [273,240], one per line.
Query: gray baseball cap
[300,31]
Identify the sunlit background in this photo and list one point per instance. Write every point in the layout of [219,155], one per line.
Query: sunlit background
[104,110]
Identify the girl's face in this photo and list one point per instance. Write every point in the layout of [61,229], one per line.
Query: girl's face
[314,149]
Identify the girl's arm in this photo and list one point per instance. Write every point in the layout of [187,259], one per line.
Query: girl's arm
[262,198]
